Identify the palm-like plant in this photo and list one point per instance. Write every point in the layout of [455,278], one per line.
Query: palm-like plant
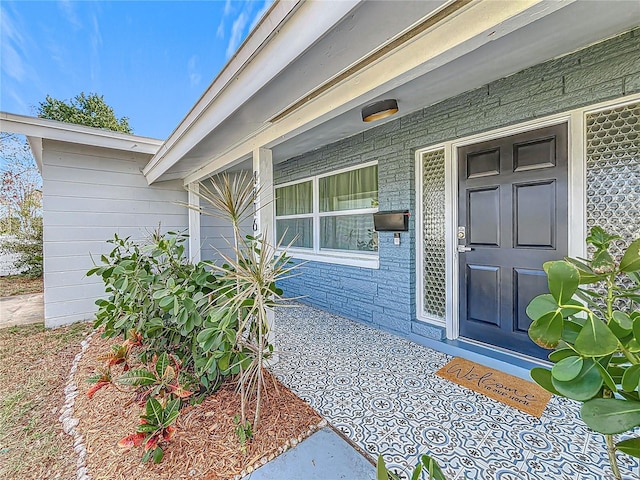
[248,281]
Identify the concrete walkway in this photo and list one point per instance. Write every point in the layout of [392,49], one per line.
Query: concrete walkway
[21,310]
[325,455]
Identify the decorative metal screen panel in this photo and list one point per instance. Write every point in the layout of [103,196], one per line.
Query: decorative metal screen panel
[613,172]
[433,220]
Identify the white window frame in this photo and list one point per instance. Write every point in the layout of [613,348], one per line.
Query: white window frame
[341,257]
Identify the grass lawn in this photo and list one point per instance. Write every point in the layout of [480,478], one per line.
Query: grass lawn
[20,285]
[34,365]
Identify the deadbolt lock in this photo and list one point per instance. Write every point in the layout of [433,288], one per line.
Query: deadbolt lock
[462,233]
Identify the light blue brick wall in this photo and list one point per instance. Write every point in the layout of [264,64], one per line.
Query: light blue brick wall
[386,297]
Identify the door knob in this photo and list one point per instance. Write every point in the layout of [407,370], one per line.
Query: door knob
[464,248]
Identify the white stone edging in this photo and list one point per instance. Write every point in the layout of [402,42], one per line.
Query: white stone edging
[69,422]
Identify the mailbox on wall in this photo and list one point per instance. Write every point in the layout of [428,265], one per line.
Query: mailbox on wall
[391,221]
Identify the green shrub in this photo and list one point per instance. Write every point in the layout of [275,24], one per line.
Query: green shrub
[591,319]
[155,291]
[28,245]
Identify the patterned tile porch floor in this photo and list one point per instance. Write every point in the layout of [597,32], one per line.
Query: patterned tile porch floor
[381,391]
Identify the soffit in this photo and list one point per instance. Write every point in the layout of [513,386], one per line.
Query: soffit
[550,31]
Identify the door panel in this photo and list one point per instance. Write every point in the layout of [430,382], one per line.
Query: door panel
[483,291]
[527,284]
[483,216]
[532,155]
[483,164]
[513,204]
[535,214]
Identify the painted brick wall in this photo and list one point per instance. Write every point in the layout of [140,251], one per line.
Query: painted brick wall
[386,297]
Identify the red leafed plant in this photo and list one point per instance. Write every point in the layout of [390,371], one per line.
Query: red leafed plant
[156,425]
[101,379]
[161,380]
[156,387]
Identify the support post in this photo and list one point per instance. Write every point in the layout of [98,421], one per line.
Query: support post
[194,223]
[264,219]
[263,174]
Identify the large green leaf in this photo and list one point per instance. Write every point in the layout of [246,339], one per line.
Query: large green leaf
[431,466]
[417,472]
[154,411]
[631,378]
[603,262]
[606,375]
[381,469]
[157,455]
[162,363]
[561,354]
[171,412]
[158,294]
[570,330]
[564,280]
[567,368]
[585,386]
[166,302]
[630,446]
[610,415]
[636,328]
[631,259]
[137,377]
[621,324]
[542,377]
[596,339]
[547,330]
[541,305]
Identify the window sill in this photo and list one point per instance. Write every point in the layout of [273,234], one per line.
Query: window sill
[437,322]
[347,259]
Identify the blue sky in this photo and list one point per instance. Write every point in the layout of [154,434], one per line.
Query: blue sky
[151,60]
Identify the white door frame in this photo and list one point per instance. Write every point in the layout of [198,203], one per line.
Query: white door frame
[576,201]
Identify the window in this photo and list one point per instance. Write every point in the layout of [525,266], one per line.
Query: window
[330,215]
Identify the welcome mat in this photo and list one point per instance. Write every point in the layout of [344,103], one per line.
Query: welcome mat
[513,391]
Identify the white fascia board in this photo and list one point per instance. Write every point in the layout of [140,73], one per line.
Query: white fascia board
[288,30]
[466,30]
[36,149]
[67,132]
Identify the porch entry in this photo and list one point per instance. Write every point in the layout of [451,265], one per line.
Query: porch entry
[513,217]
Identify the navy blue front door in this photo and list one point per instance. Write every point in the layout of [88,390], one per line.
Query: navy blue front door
[513,212]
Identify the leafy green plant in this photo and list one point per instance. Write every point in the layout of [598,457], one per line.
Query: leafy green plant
[591,320]
[159,380]
[426,465]
[156,425]
[247,291]
[243,431]
[153,289]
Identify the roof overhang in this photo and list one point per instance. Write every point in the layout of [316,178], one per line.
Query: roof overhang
[286,31]
[301,78]
[36,129]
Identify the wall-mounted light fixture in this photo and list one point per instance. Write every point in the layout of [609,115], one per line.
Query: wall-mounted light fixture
[379,110]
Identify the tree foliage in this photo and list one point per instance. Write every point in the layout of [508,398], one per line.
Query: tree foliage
[20,186]
[20,204]
[90,110]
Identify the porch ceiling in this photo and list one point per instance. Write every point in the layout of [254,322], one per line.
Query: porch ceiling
[539,31]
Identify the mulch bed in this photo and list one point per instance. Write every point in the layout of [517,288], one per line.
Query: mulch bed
[205,445]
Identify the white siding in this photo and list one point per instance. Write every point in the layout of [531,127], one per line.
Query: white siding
[90,193]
